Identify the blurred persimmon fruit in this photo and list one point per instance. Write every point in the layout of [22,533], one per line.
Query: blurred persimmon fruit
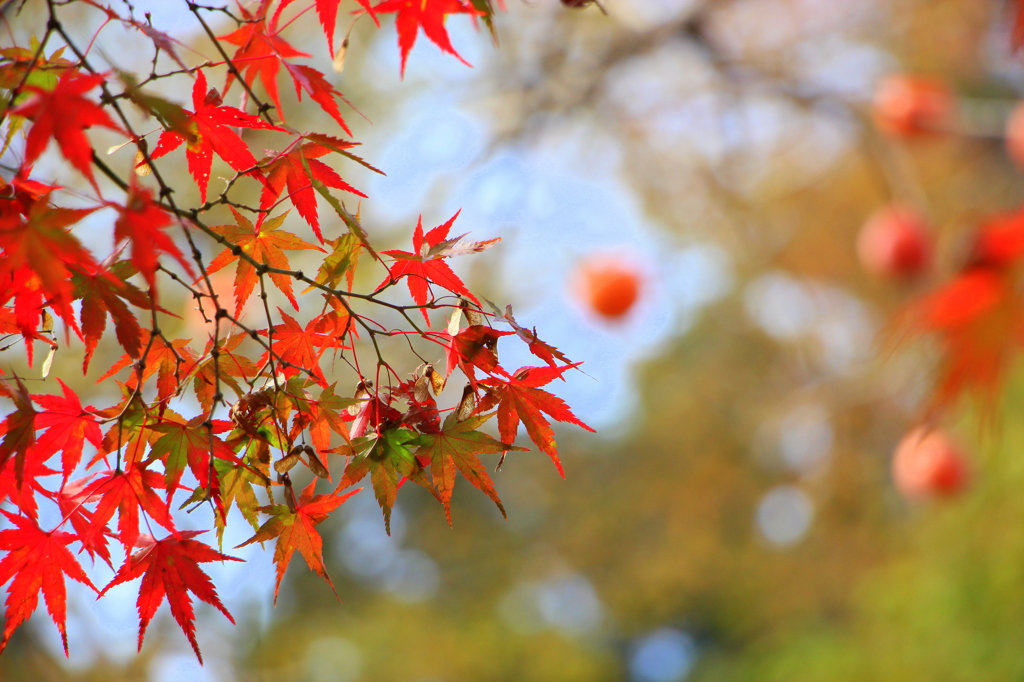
[895,243]
[929,464]
[608,286]
[912,106]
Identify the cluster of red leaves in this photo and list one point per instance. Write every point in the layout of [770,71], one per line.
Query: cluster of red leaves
[278,407]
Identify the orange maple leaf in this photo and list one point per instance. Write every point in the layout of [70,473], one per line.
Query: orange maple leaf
[293,526]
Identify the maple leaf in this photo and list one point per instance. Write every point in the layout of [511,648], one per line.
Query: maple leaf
[68,425]
[327,12]
[103,292]
[131,428]
[140,222]
[22,494]
[389,460]
[36,560]
[125,492]
[425,264]
[474,347]
[340,262]
[301,347]
[31,67]
[294,168]
[455,448]
[428,15]
[70,501]
[170,567]
[264,243]
[520,399]
[161,41]
[330,413]
[293,526]
[171,363]
[235,483]
[260,52]
[192,443]
[977,320]
[36,254]
[19,430]
[308,79]
[336,325]
[222,368]
[63,114]
[211,131]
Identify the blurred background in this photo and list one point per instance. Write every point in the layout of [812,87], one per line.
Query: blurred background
[682,188]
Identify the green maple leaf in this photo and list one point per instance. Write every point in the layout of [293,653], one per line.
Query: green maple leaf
[390,459]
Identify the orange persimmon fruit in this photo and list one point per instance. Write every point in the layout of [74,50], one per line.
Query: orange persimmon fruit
[929,464]
[912,106]
[895,243]
[607,286]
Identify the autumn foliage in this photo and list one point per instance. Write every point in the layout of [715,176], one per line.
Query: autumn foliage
[261,395]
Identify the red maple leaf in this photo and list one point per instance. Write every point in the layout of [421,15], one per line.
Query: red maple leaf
[978,322]
[70,501]
[264,243]
[170,567]
[474,348]
[327,12]
[211,131]
[23,190]
[428,14]
[261,52]
[36,560]
[520,399]
[36,251]
[425,263]
[295,168]
[22,494]
[141,223]
[293,526]
[126,492]
[103,292]
[68,425]
[319,89]
[63,114]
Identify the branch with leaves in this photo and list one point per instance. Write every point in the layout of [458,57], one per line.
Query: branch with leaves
[246,404]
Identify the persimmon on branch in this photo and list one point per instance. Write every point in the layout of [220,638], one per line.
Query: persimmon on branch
[247,403]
